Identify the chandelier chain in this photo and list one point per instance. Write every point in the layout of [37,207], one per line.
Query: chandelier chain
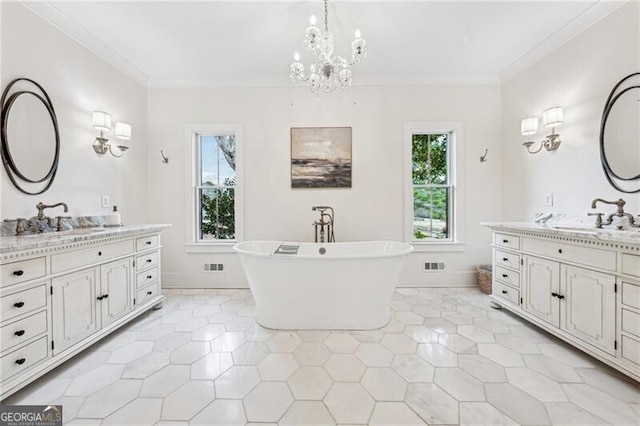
[326,16]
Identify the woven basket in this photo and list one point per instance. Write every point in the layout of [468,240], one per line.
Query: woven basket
[484,278]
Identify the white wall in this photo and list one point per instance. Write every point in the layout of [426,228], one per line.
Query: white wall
[78,82]
[371,209]
[579,77]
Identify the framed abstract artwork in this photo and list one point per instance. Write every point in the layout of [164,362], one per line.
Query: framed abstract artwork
[321,157]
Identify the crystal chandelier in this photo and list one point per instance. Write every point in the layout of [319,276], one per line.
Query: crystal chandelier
[328,71]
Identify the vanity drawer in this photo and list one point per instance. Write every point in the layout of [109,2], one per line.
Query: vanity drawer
[148,292]
[506,292]
[20,331]
[631,295]
[21,359]
[25,270]
[630,349]
[146,277]
[509,260]
[146,261]
[631,265]
[507,276]
[85,257]
[505,240]
[21,302]
[147,242]
[595,258]
[631,322]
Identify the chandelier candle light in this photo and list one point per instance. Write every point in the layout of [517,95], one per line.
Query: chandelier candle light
[328,71]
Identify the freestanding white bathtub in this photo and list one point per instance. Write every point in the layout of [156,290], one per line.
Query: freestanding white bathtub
[345,286]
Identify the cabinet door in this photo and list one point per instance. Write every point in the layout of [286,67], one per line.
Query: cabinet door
[116,291]
[542,280]
[588,309]
[74,307]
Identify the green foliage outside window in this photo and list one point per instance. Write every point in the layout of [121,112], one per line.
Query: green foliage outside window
[429,155]
[218,211]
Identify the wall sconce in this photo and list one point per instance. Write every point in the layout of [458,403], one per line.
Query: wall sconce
[551,117]
[102,122]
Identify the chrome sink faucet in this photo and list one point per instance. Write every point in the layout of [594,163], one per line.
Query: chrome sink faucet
[324,228]
[619,213]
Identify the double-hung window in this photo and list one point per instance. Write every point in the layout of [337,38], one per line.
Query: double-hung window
[432,194]
[215,205]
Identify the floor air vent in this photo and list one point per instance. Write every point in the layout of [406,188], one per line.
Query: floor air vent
[433,266]
[213,267]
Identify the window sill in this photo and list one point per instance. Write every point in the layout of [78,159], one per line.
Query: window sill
[448,246]
[209,247]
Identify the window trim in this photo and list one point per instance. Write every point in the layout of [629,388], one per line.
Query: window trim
[192,243]
[456,158]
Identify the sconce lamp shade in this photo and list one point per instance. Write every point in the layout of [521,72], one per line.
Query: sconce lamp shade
[123,131]
[529,126]
[102,120]
[552,117]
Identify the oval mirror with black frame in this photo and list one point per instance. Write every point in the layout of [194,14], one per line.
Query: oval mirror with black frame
[620,135]
[29,136]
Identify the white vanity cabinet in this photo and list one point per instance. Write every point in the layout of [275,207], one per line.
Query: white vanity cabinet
[59,296]
[579,287]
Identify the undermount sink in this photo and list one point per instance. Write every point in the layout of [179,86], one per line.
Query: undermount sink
[78,231]
[578,229]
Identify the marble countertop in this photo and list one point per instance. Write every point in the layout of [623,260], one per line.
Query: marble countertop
[51,239]
[569,230]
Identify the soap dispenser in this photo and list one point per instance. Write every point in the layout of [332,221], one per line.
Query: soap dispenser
[114,218]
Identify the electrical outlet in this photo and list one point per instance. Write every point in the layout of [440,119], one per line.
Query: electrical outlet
[104,201]
[548,199]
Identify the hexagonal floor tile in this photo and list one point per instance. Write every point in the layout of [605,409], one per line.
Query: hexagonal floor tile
[284,341]
[208,332]
[312,413]
[140,411]
[228,342]
[394,413]
[384,384]
[341,342]
[374,355]
[312,353]
[268,402]
[146,365]
[237,382]
[228,412]
[188,400]
[165,381]
[412,368]
[432,404]
[345,368]
[130,352]
[251,353]
[459,384]
[110,398]
[310,383]
[277,367]
[399,344]
[437,355]
[190,353]
[211,366]
[349,403]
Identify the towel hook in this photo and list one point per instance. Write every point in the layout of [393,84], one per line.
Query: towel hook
[165,159]
[483,158]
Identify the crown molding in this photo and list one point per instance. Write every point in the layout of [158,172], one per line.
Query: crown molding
[592,15]
[80,34]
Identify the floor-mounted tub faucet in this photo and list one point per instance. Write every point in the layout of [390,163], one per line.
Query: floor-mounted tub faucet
[324,226]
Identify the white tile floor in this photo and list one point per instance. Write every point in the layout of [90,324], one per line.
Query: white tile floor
[446,357]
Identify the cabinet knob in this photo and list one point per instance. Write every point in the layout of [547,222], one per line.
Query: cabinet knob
[106,296]
[148,243]
[20,361]
[560,296]
[554,294]
[99,253]
[149,277]
[505,276]
[19,333]
[149,293]
[505,241]
[149,260]
[18,304]
[560,251]
[505,259]
[18,273]
[504,292]
[100,297]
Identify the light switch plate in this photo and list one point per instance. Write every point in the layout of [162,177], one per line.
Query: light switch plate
[548,199]
[104,201]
